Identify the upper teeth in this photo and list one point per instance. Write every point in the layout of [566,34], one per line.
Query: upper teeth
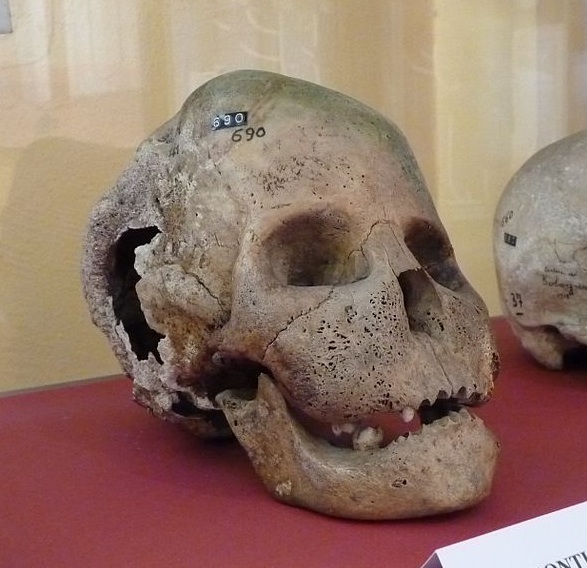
[408,414]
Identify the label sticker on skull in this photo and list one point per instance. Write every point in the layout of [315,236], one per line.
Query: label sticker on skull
[229,120]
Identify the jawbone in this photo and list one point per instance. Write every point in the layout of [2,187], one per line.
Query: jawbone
[448,465]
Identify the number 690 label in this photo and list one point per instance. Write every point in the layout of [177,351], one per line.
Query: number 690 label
[229,120]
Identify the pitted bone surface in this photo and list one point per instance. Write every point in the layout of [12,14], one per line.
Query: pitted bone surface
[272,266]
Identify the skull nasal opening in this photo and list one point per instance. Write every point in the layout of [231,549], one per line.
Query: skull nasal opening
[421,302]
[317,248]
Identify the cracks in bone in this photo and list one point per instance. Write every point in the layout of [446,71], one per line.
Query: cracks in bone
[371,229]
[206,288]
[438,360]
[360,249]
[384,222]
[294,318]
[218,243]
[425,337]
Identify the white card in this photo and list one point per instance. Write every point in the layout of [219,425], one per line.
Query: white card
[556,540]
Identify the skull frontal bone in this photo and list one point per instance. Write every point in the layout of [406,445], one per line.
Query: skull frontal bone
[303,293]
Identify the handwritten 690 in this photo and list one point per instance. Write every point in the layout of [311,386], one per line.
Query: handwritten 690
[247,134]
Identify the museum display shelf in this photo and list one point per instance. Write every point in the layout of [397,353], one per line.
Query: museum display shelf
[88,478]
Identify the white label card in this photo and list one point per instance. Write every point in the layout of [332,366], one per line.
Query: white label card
[556,540]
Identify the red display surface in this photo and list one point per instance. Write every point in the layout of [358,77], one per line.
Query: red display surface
[88,478]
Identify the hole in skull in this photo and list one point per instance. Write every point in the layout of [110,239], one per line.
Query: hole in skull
[126,304]
[434,253]
[317,248]
[421,302]
[575,358]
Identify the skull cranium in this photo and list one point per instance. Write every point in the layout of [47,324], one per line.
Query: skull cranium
[272,265]
[540,243]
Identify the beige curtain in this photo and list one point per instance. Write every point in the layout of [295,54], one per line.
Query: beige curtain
[476,85]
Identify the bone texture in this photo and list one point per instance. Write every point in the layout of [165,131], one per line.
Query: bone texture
[273,249]
[540,245]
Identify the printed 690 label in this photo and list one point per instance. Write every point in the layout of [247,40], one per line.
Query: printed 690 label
[229,120]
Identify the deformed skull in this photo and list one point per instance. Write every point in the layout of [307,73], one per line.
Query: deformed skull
[272,266]
[540,245]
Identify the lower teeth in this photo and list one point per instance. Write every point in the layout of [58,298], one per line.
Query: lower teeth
[367,438]
[344,428]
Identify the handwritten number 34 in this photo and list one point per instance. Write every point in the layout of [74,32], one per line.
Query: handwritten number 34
[247,134]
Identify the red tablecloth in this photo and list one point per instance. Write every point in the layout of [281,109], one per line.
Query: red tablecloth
[90,479]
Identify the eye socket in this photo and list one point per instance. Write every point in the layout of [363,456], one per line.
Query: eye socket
[433,251]
[316,248]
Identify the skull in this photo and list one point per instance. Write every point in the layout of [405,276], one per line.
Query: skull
[272,266]
[540,245]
